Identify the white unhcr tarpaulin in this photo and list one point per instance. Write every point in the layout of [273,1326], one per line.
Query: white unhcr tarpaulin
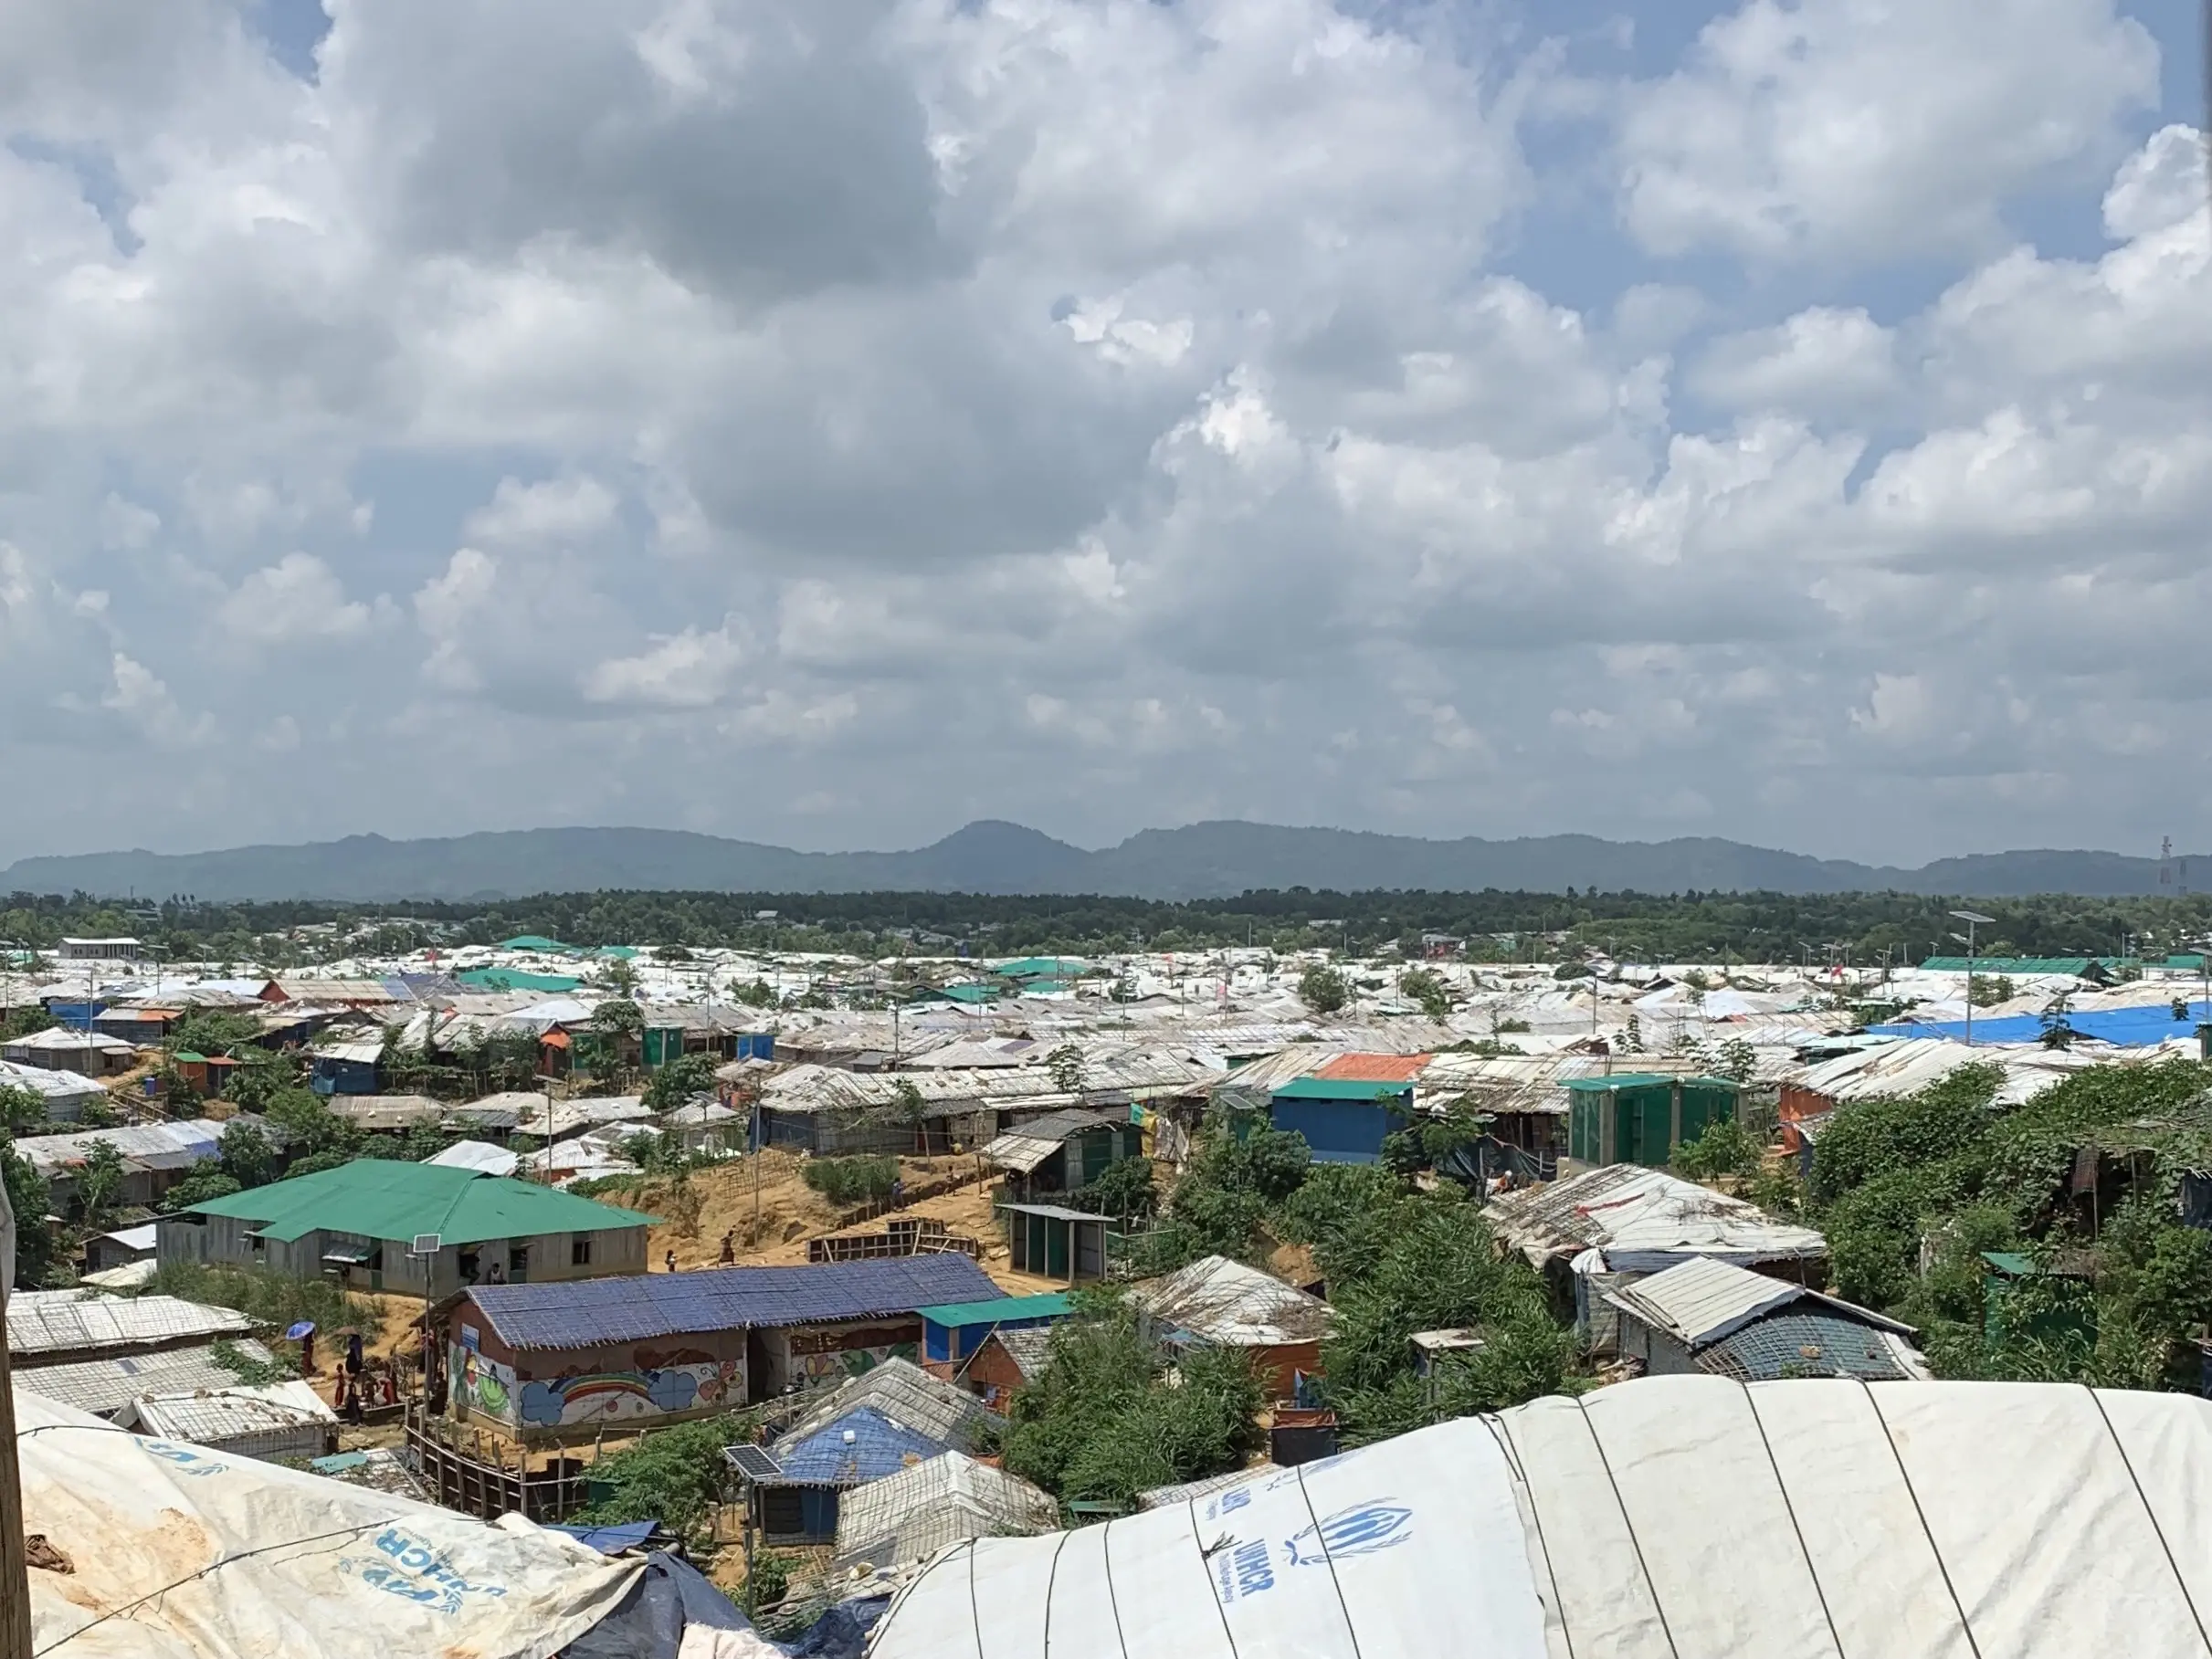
[1665,1519]
[178,1553]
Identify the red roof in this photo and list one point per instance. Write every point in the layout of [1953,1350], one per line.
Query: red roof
[1374,1068]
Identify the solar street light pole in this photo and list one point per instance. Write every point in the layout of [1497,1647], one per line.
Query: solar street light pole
[1971,919]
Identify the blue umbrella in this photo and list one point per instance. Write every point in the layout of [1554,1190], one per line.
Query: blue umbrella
[305,1328]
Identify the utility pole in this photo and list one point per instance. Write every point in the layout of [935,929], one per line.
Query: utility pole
[14,1572]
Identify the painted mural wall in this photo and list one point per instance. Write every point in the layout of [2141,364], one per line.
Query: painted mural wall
[812,1358]
[654,1384]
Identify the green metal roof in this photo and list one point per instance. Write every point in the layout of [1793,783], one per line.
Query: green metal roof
[968,993]
[1004,1311]
[383,1197]
[532,942]
[1039,967]
[2010,1263]
[1341,1088]
[513,979]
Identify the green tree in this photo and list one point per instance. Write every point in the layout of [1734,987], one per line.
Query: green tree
[30,1199]
[678,1080]
[1066,1064]
[1323,989]
[1429,990]
[22,1110]
[99,1184]
[246,1156]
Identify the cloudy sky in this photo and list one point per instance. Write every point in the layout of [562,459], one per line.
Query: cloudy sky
[828,421]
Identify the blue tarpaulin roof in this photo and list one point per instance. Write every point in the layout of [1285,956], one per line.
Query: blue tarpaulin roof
[612,1540]
[584,1313]
[879,1447]
[2127,1028]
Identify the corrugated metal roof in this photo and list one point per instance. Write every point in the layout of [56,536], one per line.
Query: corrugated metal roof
[104,1386]
[68,1321]
[1698,1300]
[1227,1303]
[381,1198]
[1058,1212]
[586,1312]
[1626,1209]
[1374,1068]
[1341,1088]
[1053,1305]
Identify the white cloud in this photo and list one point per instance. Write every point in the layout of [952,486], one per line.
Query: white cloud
[1861,129]
[1098,413]
[297,598]
[557,512]
[1821,360]
[686,670]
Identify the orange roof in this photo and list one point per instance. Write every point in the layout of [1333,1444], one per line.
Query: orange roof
[555,1038]
[1374,1068]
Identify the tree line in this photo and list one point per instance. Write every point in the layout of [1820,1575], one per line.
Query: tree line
[1869,928]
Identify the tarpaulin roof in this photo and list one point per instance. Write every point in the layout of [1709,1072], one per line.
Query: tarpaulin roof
[1643,1220]
[1221,1301]
[384,1199]
[178,1553]
[861,1445]
[582,1313]
[1657,1519]
[2138,1027]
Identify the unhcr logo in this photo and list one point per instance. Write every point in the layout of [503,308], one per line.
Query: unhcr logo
[1358,1531]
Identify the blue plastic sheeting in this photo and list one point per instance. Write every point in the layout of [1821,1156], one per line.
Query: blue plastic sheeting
[671,1597]
[586,1313]
[613,1539]
[1339,1131]
[842,1632]
[2141,1027]
[879,1447]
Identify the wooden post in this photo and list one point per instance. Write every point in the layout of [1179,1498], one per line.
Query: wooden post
[14,1572]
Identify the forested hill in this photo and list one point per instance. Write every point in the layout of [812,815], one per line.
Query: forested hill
[1197,861]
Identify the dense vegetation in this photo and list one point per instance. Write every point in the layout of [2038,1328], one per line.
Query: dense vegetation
[1105,1422]
[1497,926]
[2082,1180]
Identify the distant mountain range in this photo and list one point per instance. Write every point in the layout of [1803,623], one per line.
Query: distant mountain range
[1198,861]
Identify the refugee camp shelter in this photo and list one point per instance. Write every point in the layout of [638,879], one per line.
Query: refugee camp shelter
[1057,1243]
[60,1326]
[346,1068]
[123,1247]
[1218,1303]
[889,1419]
[106,1384]
[359,1224]
[1708,1315]
[1605,1228]
[1657,1519]
[952,1332]
[1642,1117]
[278,1419]
[547,1360]
[1345,1107]
[1062,1151]
[1006,1363]
[92,1054]
[907,1517]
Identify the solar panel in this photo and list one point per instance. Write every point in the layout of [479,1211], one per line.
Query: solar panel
[753,1463]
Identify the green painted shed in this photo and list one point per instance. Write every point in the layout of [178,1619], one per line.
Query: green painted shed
[1641,1116]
